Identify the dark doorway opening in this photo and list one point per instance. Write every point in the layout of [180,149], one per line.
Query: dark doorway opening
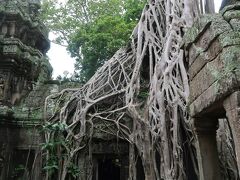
[108,169]
[22,162]
[140,170]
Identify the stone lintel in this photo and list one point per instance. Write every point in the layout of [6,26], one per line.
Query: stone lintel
[212,97]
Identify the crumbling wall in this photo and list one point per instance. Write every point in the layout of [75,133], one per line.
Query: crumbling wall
[212,52]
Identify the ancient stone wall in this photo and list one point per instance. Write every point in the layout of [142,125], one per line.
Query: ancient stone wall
[212,49]
[23,46]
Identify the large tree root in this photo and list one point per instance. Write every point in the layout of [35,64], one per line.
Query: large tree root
[145,83]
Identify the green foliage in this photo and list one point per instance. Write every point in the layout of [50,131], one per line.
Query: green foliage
[51,165]
[93,30]
[143,95]
[73,170]
[18,171]
[52,147]
[58,126]
[68,77]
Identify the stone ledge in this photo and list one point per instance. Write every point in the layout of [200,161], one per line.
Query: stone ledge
[211,97]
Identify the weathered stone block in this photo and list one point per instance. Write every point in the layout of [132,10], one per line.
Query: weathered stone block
[229,38]
[216,80]
[235,23]
[11,49]
[231,14]
[213,96]
[223,71]
[206,37]
[190,36]
[204,101]
[204,79]
[204,58]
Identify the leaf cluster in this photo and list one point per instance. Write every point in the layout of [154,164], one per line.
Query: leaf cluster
[92,29]
[52,146]
[57,127]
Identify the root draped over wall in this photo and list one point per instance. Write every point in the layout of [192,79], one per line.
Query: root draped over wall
[146,83]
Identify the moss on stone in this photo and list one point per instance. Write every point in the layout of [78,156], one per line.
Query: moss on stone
[6,111]
[235,23]
[235,6]
[229,38]
[215,22]
[231,54]
[46,71]
[190,35]
[232,14]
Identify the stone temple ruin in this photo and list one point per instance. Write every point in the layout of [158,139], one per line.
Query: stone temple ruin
[214,85]
[23,67]
[211,49]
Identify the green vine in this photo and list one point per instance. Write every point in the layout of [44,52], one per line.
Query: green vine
[52,148]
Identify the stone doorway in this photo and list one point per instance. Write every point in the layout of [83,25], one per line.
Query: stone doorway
[110,167]
[110,160]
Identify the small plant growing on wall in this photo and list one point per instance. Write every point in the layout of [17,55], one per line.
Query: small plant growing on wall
[18,171]
[52,147]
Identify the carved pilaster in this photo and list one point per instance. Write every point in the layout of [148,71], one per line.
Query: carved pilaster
[2,86]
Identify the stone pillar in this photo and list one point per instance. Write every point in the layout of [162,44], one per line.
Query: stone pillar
[232,107]
[208,161]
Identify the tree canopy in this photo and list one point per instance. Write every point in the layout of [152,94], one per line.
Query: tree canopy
[92,30]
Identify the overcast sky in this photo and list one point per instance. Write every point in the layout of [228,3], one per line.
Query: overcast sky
[61,60]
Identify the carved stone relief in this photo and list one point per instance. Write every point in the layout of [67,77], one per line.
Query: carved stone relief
[1,87]
[4,29]
[2,155]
